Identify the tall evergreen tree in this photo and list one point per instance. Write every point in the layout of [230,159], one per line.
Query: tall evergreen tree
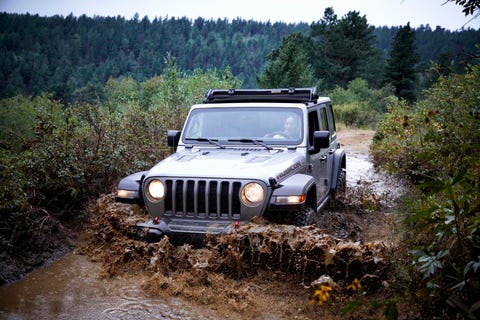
[400,71]
[288,66]
[344,49]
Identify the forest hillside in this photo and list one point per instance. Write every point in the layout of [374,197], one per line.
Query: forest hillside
[73,57]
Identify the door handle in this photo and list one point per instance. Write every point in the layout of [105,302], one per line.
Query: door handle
[323,158]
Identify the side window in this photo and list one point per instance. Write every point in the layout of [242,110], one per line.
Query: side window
[331,119]
[323,119]
[313,125]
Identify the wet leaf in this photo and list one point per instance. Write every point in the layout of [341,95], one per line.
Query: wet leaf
[390,312]
[351,307]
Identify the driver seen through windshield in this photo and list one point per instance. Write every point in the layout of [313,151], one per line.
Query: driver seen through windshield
[269,125]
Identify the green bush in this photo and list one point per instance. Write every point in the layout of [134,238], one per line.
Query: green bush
[359,106]
[436,144]
[439,136]
[54,159]
[356,115]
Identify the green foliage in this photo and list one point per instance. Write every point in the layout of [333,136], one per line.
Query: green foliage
[442,129]
[349,114]
[351,307]
[448,222]
[45,169]
[122,92]
[73,57]
[390,143]
[429,263]
[390,310]
[54,159]
[436,144]
[388,307]
[438,45]
[400,71]
[16,123]
[343,49]
[288,66]
[358,105]
[469,6]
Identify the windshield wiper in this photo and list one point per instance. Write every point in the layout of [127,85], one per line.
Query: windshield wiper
[254,141]
[211,141]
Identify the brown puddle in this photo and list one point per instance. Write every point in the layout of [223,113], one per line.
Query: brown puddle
[72,289]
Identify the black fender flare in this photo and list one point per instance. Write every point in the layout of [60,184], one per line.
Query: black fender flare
[132,183]
[339,163]
[295,185]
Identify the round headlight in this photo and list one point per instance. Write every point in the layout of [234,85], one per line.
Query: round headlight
[155,190]
[252,194]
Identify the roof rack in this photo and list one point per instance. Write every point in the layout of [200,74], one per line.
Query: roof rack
[301,95]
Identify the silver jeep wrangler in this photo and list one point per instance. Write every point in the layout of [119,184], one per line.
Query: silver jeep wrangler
[243,153]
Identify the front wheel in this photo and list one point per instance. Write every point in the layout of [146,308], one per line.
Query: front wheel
[305,217]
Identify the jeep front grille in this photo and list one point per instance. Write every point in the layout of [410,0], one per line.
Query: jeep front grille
[214,199]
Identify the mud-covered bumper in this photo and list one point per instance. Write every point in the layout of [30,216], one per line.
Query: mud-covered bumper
[183,230]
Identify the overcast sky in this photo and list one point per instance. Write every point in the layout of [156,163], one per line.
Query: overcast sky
[378,12]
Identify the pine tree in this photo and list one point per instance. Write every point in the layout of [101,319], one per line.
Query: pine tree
[344,49]
[400,71]
[288,66]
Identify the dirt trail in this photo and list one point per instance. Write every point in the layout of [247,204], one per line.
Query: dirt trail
[262,271]
[267,271]
[356,142]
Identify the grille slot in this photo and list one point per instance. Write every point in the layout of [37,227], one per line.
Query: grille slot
[211,199]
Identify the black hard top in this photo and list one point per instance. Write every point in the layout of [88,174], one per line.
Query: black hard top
[299,95]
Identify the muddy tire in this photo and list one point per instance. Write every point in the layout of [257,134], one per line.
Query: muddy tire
[341,182]
[336,201]
[305,217]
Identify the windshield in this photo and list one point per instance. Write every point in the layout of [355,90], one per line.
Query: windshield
[283,126]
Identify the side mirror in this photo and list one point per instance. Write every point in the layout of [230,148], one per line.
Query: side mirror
[321,140]
[173,136]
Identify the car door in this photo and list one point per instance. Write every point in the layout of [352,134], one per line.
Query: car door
[330,126]
[324,153]
[318,158]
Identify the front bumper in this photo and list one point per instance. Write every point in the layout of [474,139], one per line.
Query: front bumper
[183,230]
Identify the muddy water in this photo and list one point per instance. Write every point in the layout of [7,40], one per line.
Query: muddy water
[73,289]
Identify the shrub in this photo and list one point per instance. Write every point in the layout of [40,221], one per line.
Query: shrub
[359,106]
[356,114]
[436,144]
[54,158]
[439,136]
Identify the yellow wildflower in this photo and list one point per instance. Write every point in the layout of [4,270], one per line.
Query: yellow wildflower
[321,295]
[355,285]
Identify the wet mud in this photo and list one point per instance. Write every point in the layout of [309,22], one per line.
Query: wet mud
[260,271]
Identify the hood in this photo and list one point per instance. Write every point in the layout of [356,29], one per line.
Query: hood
[233,163]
